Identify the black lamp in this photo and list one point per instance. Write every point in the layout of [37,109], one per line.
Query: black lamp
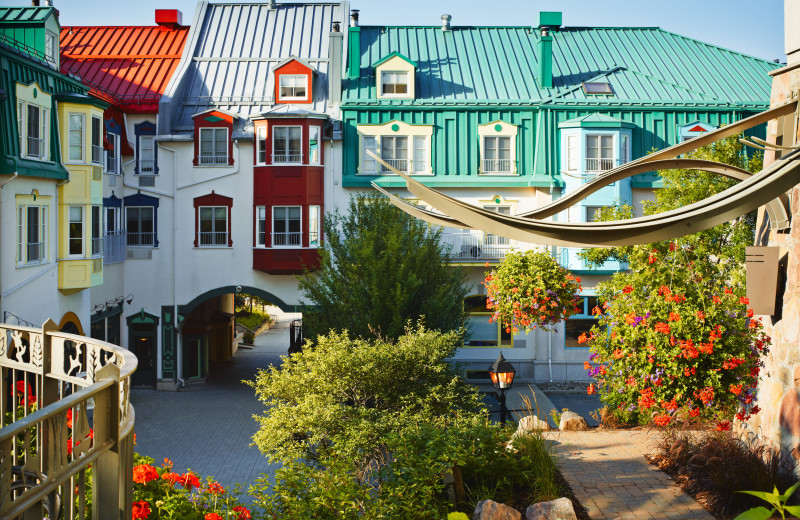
[502,374]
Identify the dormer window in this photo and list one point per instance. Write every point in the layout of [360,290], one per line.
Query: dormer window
[293,87]
[498,148]
[51,48]
[293,81]
[213,145]
[395,77]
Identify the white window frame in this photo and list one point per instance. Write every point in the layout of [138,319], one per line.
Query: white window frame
[215,159]
[315,154]
[492,144]
[390,143]
[97,149]
[82,227]
[23,233]
[140,234]
[600,163]
[211,238]
[151,140]
[81,135]
[573,152]
[418,146]
[261,226]
[314,226]
[393,76]
[288,234]
[261,145]
[112,215]
[114,155]
[25,138]
[51,48]
[97,231]
[286,158]
[490,166]
[625,151]
[293,78]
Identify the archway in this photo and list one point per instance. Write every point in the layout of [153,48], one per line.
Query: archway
[71,324]
[233,289]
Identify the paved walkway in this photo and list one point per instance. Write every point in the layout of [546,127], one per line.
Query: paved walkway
[208,427]
[611,478]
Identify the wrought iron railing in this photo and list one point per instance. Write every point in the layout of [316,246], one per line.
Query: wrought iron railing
[213,238]
[397,164]
[496,166]
[146,165]
[140,239]
[213,159]
[594,164]
[476,246]
[287,158]
[287,239]
[66,407]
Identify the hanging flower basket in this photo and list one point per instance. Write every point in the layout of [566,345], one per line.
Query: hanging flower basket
[529,289]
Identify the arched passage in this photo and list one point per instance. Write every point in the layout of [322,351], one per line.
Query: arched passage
[233,289]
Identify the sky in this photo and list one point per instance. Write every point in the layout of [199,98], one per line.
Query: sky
[754,28]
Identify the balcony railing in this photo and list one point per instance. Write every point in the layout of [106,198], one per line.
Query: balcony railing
[140,239]
[66,406]
[599,165]
[476,246]
[146,165]
[397,164]
[97,154]
[286,158]
[35,147]
[114,247]
[496,166]
[213,159]
[287,239]
[213,238]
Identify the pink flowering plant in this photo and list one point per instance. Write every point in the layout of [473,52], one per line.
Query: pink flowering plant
[529,289]
[673,340]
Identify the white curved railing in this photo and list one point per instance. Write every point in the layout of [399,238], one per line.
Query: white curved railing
[65,406]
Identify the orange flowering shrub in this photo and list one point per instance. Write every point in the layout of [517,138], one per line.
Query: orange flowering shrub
[680,340]
[529,289]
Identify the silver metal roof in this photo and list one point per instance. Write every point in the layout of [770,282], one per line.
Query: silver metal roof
[231,50]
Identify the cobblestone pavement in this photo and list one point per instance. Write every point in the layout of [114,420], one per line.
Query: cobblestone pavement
[611,478]
[207,427]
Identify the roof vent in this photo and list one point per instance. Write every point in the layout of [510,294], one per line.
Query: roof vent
[169,18]
[446,22]
[271,4]
[337,27]
[354,18]
[34,3]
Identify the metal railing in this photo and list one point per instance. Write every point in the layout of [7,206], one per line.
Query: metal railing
[213,238]
[66,406]
[287,239]
[213,159]
[286,158]
[599,165]
[397,164]
[114,247]
[472,246]
[35,147]
[496,166]
[146,165]
[97,154]
[140,239]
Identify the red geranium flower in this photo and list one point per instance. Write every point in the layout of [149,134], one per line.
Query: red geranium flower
[215,488]
[212,516]
[662,420]
[244,513]
[141,510]
[144,473]
[171,477]
[590,389]
[723,426]
[189,480]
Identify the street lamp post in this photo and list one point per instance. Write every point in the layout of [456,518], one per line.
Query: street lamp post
[502,374]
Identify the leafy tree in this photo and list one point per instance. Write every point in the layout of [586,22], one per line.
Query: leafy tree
[380,268]
[679,334]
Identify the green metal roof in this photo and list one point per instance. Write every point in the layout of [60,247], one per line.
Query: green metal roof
[392,55]
[25,15]
[595,120]
[498,65]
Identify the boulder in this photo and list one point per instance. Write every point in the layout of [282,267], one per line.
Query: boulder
[531,423]
[571,421]
[559,509]
[491,510]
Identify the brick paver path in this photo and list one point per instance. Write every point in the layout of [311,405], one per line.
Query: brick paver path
[609,475]
[208,427]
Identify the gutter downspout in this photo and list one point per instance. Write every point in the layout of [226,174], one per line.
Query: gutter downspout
[178,354]
[550,353]
[16,174]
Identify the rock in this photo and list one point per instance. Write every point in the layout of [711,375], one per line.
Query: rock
[559,509]
[491,510]
[531,423]
[571,421]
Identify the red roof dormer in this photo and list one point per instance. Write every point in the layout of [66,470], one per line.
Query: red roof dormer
[294,82]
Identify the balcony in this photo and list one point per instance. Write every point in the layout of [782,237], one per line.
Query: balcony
[114,247]
[212,238]
[397,164]
[496,167]
[140,239]
[283,158]
[74,411]
[475,246]
[287,239]
[594,164]
[212,159]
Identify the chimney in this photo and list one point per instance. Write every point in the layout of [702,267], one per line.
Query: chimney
[354,46]
[335,65]
[34,3]
[271,4]
[446,22]
[169,18]
[547,20]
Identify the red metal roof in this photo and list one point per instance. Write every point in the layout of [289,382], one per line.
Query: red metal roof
[128,66]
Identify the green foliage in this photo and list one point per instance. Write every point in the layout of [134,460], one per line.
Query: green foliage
[380,268]
[529,289]
[353,393]
[776,500]
[252,320]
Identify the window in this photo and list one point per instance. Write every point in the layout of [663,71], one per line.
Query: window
[286,144]
[394,83]
[420,161]
[496,240]
[146,154]
[572,153]
[497,154]
[599,152]
[626,150]
[293,86]
[76,231]
[113,224]
[31,234]
[75,137]
[394,150]
[261,145]
[50,47]
[97,140]
[314,145]
[369,165]
[213,226]
[482,332]
[32,127]
[261,226]
[313,226]
[140,226]
[97,231]
[595,88]
[112,156]
[581,323]
[591,213]
[213,146]
[286,226]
